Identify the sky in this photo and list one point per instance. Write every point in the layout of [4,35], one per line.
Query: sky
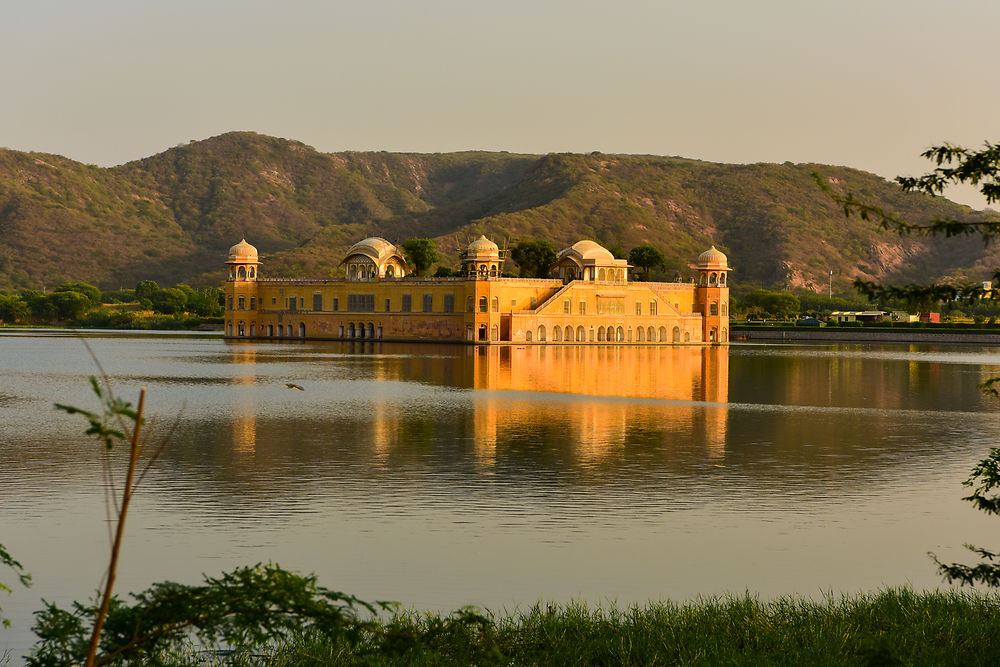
[863,83]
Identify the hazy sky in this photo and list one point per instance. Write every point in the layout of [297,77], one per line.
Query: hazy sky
[865,83]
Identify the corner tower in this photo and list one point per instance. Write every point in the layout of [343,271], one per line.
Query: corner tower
[712,295]
[241,290]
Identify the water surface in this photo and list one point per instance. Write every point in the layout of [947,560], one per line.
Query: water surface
[441,476]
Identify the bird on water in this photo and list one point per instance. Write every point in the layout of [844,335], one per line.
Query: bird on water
[291,385]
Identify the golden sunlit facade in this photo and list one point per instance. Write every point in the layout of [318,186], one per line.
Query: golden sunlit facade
[591,301]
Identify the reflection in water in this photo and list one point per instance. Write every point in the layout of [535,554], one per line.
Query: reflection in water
[447,475]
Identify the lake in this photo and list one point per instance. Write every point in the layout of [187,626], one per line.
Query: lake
[441,476]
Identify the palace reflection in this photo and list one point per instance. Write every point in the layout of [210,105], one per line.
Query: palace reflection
[599,396]
[599,429]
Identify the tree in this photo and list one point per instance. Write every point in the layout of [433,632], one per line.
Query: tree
[777,305]
[647,257]
[13,308]
[954,165]
[68,305]
[92,293]
[420,254]
[170,301]
[533,258]
[146,289]
[7,560]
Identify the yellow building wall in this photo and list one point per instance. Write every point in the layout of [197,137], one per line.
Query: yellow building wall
[496,310]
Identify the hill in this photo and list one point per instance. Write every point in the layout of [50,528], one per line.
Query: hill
[172,216]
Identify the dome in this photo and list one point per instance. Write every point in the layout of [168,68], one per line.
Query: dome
[483,246]
[374,247]
[588,250]
[713,257]
[243,252]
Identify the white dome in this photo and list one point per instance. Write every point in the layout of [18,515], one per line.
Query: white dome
[483,247]
[713,258]
[243,252]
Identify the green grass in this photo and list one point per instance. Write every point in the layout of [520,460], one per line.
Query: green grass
[892,627]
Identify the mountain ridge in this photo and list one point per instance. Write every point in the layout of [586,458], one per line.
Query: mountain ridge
[171,217]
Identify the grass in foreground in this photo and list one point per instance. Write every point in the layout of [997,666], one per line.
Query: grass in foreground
[893,627]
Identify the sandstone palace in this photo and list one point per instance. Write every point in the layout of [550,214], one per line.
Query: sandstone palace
[590,299]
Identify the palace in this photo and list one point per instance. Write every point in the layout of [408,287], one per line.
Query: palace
[591,301]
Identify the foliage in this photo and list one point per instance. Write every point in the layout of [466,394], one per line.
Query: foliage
[8,561]
[13,309]
[954,165]
[775,305]
[887,628]
[117,422]
[985,484]
[533,258]
[420,254]
[647,258]
[250,606]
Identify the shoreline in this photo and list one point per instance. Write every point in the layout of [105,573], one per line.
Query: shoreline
[859,334]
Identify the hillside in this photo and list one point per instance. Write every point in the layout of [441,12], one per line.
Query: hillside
[171,217]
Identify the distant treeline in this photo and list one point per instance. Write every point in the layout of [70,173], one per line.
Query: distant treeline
[83,304]
[768,304]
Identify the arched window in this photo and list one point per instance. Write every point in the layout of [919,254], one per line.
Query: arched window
[496,304]
[527,335]
[651,335]
[270,331]
[713,308]
[229,329]
[302,329]
[390,271]
[494,332]
[569,334]
[676,335]
[493,270]
[482,332]
[619,334]
[483,305]
[725,335]
[541,333]
[590,335]
[241,273]
[722,280]
[253,272]
[581,335]
[557,334]
[640,335]
[713,279]
[725,308]
[601,275]
[350,330]
[621,275]
[663,334]
[371,329]
[242,303]
[713,334]
[600,335]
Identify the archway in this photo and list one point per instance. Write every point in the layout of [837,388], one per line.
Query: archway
[482,332]
[663,334]
[600,334]
[677,335]
[302,329]
[581,335]
[557,334]
[619,334]
[541,333]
